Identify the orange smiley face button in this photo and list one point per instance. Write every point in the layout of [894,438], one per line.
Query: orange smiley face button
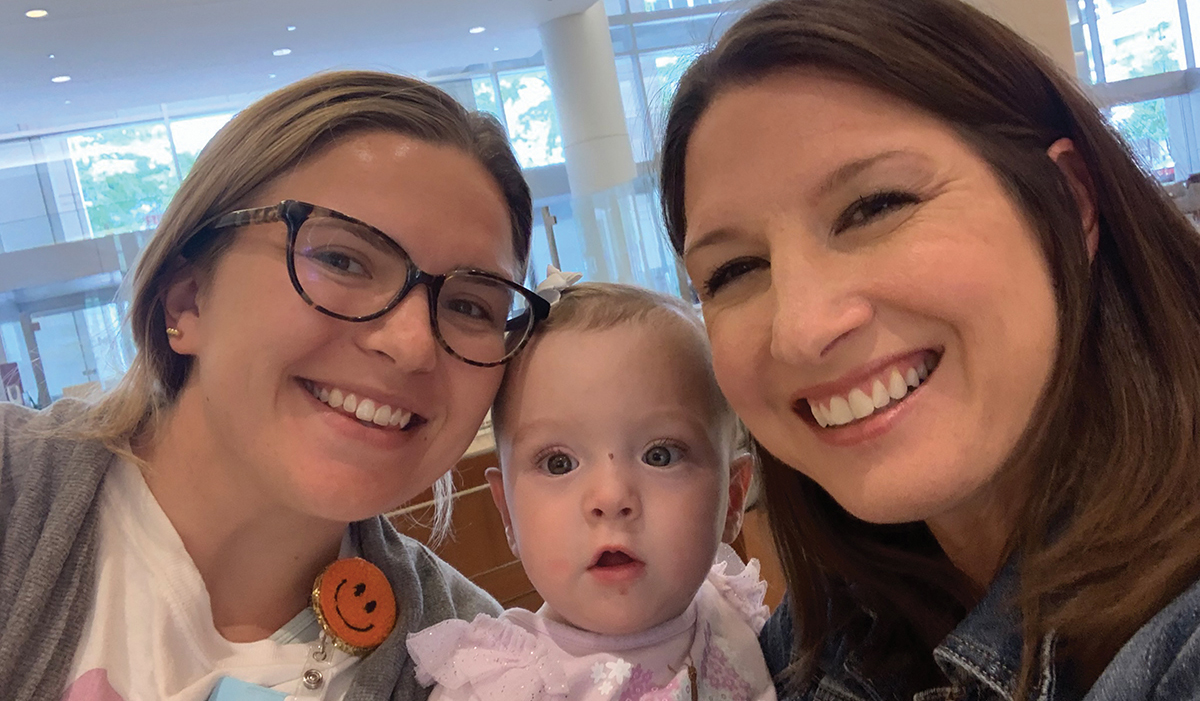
[354,603]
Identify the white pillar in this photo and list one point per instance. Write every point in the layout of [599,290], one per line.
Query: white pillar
[1043,22]
[583,76]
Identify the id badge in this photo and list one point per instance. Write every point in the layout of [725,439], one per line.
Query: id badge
[230,689]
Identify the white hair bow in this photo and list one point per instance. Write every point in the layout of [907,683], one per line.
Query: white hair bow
[556,281]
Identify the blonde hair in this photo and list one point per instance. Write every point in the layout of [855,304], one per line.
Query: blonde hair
[597,306]
[261,143]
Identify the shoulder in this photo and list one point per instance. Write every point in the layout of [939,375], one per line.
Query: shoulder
[432,589]
[776,637]
[465,597]
[40,447]
[1162,659]
[740,586]
[487,656]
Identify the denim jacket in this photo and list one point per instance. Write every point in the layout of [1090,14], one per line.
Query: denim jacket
[982,657]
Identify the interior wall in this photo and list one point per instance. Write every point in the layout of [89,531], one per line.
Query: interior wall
[1044,22]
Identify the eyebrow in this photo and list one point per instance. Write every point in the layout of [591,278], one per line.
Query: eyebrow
[843,174]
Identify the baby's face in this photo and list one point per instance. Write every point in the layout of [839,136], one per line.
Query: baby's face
[616,485]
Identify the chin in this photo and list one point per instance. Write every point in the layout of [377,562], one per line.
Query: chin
[898,499]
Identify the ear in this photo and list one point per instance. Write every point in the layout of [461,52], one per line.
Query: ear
[182,311]
[740,473]
[495,480]
[1079,179]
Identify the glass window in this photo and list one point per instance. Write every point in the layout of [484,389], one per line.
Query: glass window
[622,38]
[532,122]
[661,72]
[485,96]
[192,135]
[637,121]
[654,5]
[126,175]
[1145,127]
[688,31]
[1139,37]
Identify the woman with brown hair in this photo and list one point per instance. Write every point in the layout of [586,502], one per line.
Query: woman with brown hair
[322,321]
[961,325]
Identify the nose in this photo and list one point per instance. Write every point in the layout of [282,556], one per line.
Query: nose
[612,493]
[818,303]
[405,334]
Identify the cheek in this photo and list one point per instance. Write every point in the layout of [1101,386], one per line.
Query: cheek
[735,342]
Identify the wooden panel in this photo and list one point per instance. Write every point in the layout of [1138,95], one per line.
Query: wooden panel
[511,580]
[476,546]
[756,535]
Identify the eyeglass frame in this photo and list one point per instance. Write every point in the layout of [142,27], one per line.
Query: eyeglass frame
[293,213]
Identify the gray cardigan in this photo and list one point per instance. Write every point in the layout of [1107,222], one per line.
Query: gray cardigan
[49,495]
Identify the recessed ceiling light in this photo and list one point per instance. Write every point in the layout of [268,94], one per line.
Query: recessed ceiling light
[60,79]
[36,14]
[282,52]
[291,27]
[477,30]
[51,55]
[67,102]
[270,75]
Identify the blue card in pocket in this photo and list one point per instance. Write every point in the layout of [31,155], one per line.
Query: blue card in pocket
[230,689]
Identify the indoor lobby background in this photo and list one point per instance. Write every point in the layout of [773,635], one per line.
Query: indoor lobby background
[103,110]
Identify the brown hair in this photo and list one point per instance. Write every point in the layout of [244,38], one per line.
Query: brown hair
[261,143]
[597,306]
[1107,534]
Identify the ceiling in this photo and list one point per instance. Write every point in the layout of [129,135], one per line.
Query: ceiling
[127,57]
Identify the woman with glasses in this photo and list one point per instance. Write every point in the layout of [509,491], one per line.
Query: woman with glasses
[322,321]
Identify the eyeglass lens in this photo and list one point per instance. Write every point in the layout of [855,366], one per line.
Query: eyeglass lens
[347,269]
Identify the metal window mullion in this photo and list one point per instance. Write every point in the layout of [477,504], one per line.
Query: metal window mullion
[166,118]
[1089,19]
[495,77]
[1185,25]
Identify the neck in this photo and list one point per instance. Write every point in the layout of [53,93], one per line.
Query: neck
[258,559]
[974,536]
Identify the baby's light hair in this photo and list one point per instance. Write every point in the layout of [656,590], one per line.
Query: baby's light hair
[598,306]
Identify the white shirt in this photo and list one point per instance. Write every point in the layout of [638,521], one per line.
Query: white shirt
[150,633]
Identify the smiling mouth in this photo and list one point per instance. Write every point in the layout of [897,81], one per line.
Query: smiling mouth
[890,387]
[336,593]
[369,412]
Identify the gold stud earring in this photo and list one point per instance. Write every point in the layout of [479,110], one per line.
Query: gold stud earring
[173,332]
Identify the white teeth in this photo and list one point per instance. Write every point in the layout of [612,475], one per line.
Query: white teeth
[818,414]
[860,403]
[366,410]
[839,412]
[879,395]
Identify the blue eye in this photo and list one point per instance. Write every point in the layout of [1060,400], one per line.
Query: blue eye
[559,463]
[662,455]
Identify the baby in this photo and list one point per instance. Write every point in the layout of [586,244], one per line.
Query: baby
[619,482]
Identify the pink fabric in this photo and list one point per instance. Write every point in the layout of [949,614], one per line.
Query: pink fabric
[522,656]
